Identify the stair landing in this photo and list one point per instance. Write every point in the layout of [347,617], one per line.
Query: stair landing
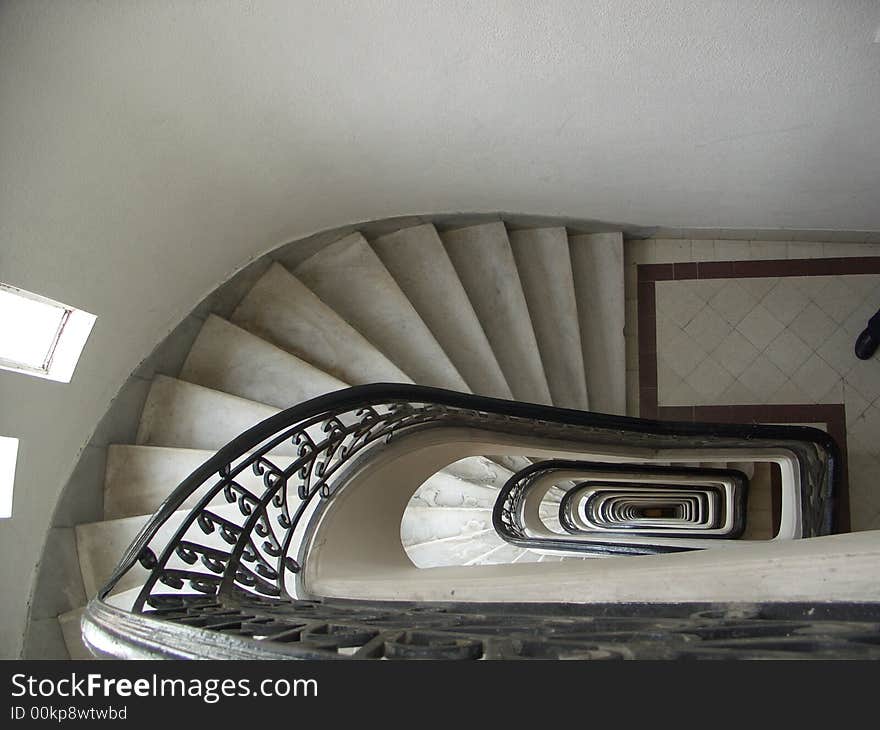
[760,331]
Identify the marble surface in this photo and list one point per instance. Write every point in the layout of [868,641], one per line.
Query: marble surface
[485,264]
[190,416]
[416,259]
[350,278]
[544,265]
[284,311]
[597,264]
[227,358]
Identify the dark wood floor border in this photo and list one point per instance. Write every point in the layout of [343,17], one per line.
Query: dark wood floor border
[832,415]
[842,266]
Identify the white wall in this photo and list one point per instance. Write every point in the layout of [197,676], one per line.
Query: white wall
[149,149]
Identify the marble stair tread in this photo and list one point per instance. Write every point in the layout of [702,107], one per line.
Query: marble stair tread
[597,265]
[494,470]
[512,464]
[453,550]
[282,310]
[185,415]
[479,470]
[70,630]
[549,510]
[500,555]
[550,517]
[421,524]
[100,545]
[527,556]
[544,265]
[228,358]
[485,265]
[138,478]
[444,490]
[417,260]
[350,278]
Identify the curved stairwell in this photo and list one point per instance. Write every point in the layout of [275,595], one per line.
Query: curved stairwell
[533,315]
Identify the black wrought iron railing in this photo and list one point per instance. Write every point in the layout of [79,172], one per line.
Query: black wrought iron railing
[228,579]
[509,514]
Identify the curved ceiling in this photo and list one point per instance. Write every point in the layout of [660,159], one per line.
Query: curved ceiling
[148,150]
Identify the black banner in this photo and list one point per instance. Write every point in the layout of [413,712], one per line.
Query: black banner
[143,691]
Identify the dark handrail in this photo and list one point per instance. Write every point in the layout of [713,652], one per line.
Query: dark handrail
[508,525]
[280,426]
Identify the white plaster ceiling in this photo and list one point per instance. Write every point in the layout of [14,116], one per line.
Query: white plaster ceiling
[149,149]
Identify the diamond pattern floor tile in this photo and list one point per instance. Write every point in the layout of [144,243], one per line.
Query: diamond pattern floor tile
[785,340]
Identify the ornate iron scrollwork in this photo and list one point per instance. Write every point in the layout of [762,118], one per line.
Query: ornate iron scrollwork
[727,488]
[229,564]
[334,629]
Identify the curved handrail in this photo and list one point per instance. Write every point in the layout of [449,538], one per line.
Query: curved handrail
[343,440]
[508,521]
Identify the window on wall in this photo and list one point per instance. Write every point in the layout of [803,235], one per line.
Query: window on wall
[39,336]
[8,456]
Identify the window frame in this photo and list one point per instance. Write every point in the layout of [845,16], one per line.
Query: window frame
[68,341]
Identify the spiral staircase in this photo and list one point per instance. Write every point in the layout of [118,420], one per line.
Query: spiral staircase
[532,315]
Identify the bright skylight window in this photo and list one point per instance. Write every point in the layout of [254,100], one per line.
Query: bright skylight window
[8,455]
[28,329]
[39,336]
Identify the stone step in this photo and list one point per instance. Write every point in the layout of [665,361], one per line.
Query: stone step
[597,265]
[350,278]
[416,259]
[549,514]
[184,415]
[230,359]
[478,470]
[445,490]
[421,524]
[544,265]
[485,265]
[453,550]
[282,310]
[139,478]
[500,555]
[101,544]
[70,630]
[528,556]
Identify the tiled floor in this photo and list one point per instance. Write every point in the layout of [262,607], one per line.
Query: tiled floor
[774,328]
[765,340]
